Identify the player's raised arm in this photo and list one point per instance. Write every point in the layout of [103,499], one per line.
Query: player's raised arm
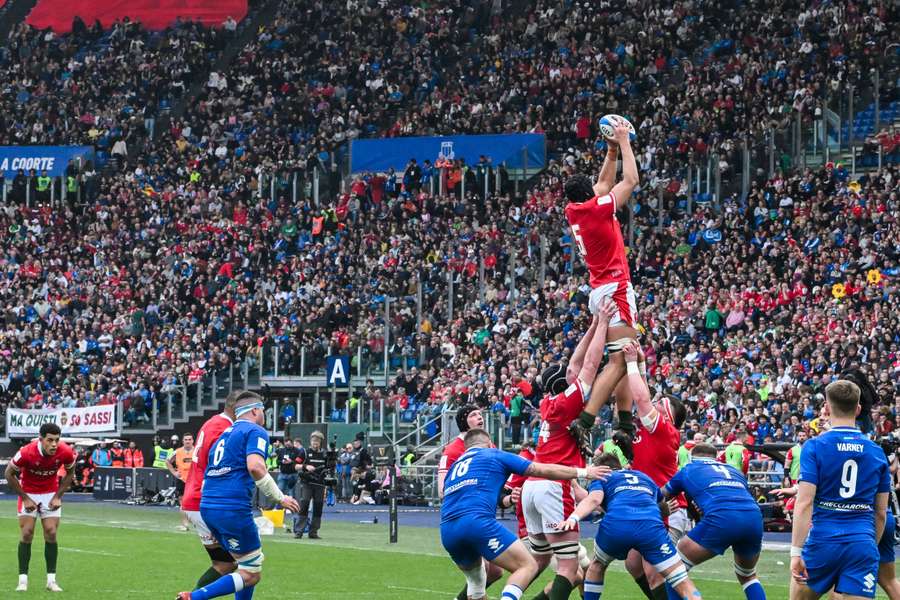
[561,472]
[256,465]
[594,349]
[622,191]
[639,391]
[607,178]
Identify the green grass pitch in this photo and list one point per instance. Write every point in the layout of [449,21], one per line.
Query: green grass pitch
[115,551]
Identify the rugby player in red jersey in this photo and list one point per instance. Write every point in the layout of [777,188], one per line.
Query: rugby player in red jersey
[655,450]
[546,503]
[222,561]
[32,475]
[591,213]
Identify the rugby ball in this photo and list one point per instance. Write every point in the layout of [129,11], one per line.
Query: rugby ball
[608,123]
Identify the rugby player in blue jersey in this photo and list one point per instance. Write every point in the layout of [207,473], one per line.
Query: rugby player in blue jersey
[469,528]
[634,508]
[731,517]
[841,507]
[237,465]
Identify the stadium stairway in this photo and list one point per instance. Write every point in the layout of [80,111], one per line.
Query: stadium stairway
[248,29]
[12,13]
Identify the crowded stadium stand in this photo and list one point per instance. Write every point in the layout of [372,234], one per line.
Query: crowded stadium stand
[217,230]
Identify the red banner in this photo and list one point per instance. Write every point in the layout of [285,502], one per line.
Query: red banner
[153,14]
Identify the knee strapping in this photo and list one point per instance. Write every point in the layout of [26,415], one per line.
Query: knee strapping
[744,572]
[602,557]
[476,581]
[677,576]
[565,549]
[539,546]
[252,563]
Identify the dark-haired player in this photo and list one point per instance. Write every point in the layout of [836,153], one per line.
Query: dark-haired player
[469,529]
[655,451]
[546,503]
[633,522]
[841,505]
[731,517]
[468,417]
[32,475]
[591,212]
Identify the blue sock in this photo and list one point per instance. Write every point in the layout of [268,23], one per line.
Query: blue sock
[593,590]
[245,594]
[753,589]
[672,594]
[223,586]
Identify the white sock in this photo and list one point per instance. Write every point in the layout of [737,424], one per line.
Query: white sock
[23,578]
[511,592]
[51,577]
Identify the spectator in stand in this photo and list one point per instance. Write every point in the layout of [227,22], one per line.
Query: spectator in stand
[100,456]
[134,457]
[117,455]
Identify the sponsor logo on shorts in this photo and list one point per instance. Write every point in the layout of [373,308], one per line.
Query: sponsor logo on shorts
[233,543]
[665,549]
[494,544]
[869,580]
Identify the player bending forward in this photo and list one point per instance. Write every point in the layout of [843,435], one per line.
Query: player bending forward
[633,521]
[236,463]
[841,505]
[591,213]
[222,562]
[32,475]
[731,517]
[469,528]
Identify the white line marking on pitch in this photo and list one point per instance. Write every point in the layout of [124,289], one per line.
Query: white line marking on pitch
[99,552]
[415,589]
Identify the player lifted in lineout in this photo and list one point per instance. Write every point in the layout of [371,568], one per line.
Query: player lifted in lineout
[32,475]
[237,464]
[591,213]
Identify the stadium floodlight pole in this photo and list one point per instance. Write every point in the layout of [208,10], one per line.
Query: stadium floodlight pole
[850,91]
[387,336]
[876,81]
[745,168]
[450,294]
[316,186]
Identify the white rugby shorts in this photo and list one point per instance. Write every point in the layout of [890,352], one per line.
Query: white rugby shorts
[622,293]
[545,504]
[203,532]
[43,511]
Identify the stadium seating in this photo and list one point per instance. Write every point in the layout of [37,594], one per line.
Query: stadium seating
[176,265]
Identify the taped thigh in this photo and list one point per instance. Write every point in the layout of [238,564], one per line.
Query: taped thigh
[252,563]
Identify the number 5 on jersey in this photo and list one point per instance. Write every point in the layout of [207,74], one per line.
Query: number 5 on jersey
[576,233]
